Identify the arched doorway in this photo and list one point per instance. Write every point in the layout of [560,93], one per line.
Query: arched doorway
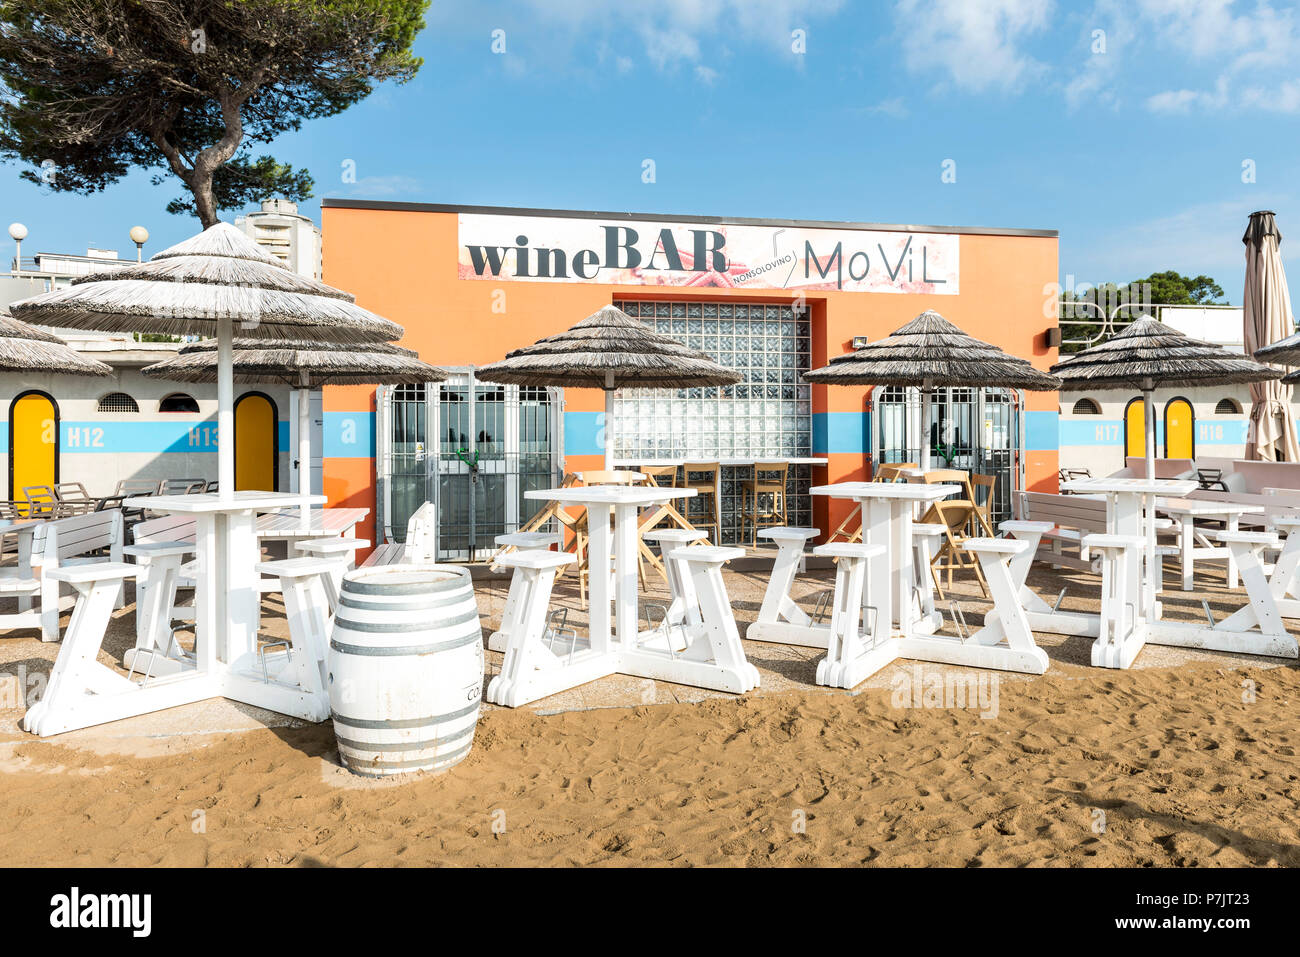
[33,442]
[1135,436]
[1180,429]
[256,446]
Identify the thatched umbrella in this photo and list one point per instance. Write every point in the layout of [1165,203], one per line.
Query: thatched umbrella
[1266,318]
[1148,353]
[24,348]
[206,285]
[304,366]
[930,351]
[609,350]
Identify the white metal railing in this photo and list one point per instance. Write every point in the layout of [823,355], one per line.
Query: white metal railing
[1085,323]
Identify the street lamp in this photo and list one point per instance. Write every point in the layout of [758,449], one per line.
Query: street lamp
[18,232]
[139,236]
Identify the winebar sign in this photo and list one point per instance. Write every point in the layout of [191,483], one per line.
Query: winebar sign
[666,253]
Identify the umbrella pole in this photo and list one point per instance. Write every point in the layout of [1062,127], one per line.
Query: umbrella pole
[1149,416]
[925,426]
[304,447]
[225,408]
[609,421]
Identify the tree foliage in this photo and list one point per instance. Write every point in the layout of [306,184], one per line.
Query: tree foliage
[90,89]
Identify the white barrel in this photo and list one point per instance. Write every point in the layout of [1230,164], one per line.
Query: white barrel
[405,668]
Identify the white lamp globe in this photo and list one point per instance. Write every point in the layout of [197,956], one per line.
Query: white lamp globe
[17,232]
[139,235]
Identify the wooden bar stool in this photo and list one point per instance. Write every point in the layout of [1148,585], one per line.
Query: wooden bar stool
[769,479]
[706,479]
[780,619]
[849,644]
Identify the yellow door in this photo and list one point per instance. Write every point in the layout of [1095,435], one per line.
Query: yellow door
[1135,441]
[254,443]
[33,443]
[1180,424]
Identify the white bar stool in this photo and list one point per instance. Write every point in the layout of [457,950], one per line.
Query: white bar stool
[1119,556]
[77,678]
[159,565]
[532,669]
[341,553]
[303,582]
[670,539]
[780,620]
[847,659]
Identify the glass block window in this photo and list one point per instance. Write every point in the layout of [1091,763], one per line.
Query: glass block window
[767,415]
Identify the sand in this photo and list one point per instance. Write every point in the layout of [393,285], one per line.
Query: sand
[1192,765]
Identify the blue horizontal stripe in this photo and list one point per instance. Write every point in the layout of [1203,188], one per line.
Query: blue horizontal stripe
[847,433]
[584,433]
[348,435]
[1041,432]
[111,437]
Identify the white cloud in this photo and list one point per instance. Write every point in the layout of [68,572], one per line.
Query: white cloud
[674,32]
[978,44]
[894,106]
[705,75]
[377,187]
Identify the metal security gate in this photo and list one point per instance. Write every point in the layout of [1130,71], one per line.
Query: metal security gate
[976,430]
[474,449]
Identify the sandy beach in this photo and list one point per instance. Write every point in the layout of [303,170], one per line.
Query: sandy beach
[1187,760]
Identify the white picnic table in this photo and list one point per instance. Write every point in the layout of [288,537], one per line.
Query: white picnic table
[1132,614]
[226,661]
[712,657]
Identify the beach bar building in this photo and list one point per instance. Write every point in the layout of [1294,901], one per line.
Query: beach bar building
[771,299]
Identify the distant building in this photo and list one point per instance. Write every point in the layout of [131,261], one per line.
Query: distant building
[288,235]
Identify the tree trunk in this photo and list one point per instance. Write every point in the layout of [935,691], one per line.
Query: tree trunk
[205,201]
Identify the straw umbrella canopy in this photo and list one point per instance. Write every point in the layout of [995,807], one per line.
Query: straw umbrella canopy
[930,351]
[206,285]
[24,348]
[609,350]
[1149,353]
[1266,319]
[303,365]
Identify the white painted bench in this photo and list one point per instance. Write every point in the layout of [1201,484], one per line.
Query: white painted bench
[848,647]
[1072,518]
[58,543]
[421,543]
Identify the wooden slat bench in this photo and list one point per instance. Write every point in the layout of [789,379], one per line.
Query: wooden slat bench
[1073,517]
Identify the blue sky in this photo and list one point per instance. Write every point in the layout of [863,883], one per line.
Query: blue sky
[1130,141]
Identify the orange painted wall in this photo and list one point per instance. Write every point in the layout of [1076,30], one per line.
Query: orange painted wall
[402,264]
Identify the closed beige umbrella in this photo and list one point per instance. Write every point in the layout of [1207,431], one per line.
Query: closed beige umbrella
[1266,318]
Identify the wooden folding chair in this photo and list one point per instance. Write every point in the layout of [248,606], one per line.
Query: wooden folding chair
[955,517]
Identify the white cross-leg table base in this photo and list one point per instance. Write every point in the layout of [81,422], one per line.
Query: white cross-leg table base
[1257,627]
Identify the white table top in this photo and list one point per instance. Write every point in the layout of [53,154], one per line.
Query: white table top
[905,491]
[731,461]
[1200,506]
[610,494]
[290,524]
[216,502]
[1136,486]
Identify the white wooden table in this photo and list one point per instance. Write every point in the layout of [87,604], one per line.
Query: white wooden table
[1193,545]
[227,607]
[288,526]
[712,657]
[1131,509]
[900,592]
